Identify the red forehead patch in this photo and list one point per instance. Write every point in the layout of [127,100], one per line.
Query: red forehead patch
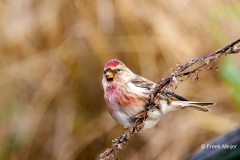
[112,63]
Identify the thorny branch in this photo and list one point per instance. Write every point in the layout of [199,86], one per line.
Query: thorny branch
[177,72]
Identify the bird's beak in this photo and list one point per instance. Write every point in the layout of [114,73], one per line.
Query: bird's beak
[109,75]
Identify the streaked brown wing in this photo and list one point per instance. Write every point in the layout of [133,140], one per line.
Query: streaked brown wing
[145,83]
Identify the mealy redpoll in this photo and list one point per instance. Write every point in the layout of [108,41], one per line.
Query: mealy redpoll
[126,94]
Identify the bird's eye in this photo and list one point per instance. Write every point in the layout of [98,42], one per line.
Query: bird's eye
[104,72]
[119,69]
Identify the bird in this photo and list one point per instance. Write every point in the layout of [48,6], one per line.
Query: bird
[126,95]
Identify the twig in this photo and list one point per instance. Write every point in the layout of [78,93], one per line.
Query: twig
[178,71]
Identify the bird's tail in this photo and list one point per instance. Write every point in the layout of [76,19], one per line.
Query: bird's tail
[199,106]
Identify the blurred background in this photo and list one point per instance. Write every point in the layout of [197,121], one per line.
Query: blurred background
[52,55]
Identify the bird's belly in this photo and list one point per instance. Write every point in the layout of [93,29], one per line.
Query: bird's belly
[123,117]
[124,108]
[153,118]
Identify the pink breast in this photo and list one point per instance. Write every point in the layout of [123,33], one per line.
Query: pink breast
[110,98]
[120,98]
[128,100]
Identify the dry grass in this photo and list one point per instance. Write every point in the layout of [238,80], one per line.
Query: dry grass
[52,55]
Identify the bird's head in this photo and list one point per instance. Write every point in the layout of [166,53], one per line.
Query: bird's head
[115,70]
